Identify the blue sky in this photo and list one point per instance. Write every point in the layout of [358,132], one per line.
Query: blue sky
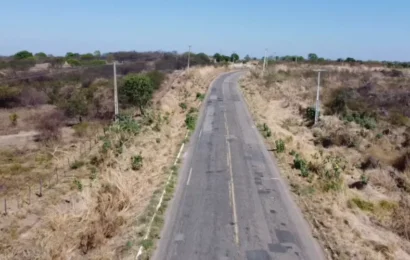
[363,29]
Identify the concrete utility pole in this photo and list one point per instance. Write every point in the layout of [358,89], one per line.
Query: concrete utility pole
[264,62]
[189,56]
[317,109]
[115,92]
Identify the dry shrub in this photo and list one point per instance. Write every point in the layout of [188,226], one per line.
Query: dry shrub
[32,97]
[402,162]
[103,104]
[370,163]
[401,219]
[49,126]
[382,178]
[339,137]
[111,201]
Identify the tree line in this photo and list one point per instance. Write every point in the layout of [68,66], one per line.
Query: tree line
[24,60]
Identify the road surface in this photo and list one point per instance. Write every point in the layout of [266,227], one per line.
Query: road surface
[231,202]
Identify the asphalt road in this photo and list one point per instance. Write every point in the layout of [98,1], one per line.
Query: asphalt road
[231,202]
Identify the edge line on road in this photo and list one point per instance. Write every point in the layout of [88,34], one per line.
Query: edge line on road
[141,248]
[189,176]
[200,133]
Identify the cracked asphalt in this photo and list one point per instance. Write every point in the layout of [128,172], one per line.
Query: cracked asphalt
[231,202]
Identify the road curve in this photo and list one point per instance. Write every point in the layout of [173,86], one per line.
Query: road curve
[231,202]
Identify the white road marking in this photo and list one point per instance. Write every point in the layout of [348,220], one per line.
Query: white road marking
[200,133]
[141,248]
[189,177]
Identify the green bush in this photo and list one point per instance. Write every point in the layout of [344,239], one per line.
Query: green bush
[301,164]
[265,130]
[13,119]
[200,96]
[138,90]
[21,55]
[183,106]
[106,145]
[126,124]
[331,176]
[190,121]
[362,119]
[310,114]
[136,162]
[280,146]
[76,105]
[73,62]
[78,184]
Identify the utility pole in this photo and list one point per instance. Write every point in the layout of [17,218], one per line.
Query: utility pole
[317,109]
[115,92]
[189,55]
[264,62]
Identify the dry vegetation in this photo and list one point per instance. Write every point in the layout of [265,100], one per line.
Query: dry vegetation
[101,208]
[351,172]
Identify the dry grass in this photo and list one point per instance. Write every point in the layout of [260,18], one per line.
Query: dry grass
[26,121]
[352,223]
[102,213]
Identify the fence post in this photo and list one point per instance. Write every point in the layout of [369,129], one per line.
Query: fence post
[29,194]
[5,206]
[56,175]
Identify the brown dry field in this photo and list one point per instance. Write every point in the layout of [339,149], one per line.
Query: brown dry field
[372,220]
[98,210]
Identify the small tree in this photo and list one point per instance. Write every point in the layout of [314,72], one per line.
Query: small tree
[312,57]
[97,54]
[71,55]
[40,55]
[49,125]
[73,62]
[21,55]
[138,90]
[217,57]
[234,57]
[87,56]
[247,58]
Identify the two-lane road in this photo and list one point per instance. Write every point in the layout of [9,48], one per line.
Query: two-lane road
[231,202]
